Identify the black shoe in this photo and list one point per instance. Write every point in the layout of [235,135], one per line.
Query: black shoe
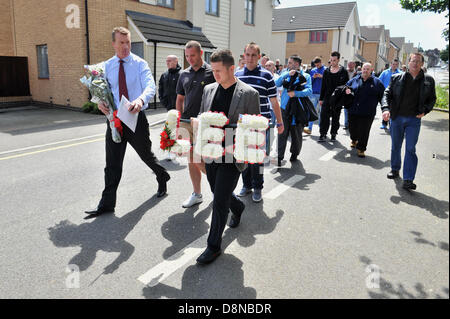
[100,211]
[393,175]
[236,217]
[280,162]
[409,185]
[322,138]
[208,256]
[333,138]
[162,186]
[293,158]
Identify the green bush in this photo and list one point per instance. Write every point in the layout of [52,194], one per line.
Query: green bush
[90,107]
[442,97]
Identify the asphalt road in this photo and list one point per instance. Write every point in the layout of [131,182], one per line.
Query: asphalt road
[330,226]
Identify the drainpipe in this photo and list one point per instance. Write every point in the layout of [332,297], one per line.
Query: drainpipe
[87,32]
[154,68]
[339,42]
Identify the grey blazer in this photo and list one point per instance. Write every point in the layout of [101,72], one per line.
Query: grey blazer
[245,101]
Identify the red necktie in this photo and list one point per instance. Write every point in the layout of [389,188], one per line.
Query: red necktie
[123,90]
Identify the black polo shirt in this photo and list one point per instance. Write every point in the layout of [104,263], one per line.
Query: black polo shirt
[191,85]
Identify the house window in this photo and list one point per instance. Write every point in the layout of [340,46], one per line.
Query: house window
[354,40]
[212,7]
[250,12]
[348,38]
[318,36]
[138,49]
[42,62]
[165,3]
[291,37]
[208,57]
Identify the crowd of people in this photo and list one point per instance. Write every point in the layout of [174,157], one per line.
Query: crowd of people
[291,98]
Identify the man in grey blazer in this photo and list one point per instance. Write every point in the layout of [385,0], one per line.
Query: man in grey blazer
[232,97]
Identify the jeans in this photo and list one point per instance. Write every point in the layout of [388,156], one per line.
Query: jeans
[407,128]
[346,117]
[315,101]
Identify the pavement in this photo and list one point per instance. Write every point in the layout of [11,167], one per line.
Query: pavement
[329,226]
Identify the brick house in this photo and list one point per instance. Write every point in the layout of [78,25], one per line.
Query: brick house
[58,37]
[317,30]
[376,46]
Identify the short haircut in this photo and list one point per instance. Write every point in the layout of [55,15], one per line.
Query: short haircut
[396,60]
[121,30]
[417,54]
[336,54]
[317,60]
[193,44]
[224,56]
[296,58]
[253,45]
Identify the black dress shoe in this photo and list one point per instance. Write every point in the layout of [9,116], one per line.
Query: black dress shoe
[333,138]
[409,185]
[393,175]
[208,256]
[100,211]
[162,186]
[322,138]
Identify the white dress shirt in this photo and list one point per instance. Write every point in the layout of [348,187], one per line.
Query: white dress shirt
[140,82]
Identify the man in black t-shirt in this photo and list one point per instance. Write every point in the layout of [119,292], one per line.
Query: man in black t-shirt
[189,98]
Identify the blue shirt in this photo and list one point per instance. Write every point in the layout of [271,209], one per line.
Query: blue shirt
[307,91]
[140,82]
[261,80]
[386,76]
[317,82]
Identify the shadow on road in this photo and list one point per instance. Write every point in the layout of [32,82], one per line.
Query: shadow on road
[370,161]
[420,240]
[296,169]
[436,207]
[441,125]
[388,290]
[106,233]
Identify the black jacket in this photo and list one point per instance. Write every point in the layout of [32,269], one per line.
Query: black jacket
[300,108]
[339,99]
[167,88]
[395,91]
[328,85]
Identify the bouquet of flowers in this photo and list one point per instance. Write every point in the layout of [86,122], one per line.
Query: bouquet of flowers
[250,136]
[95,81]
[169,141]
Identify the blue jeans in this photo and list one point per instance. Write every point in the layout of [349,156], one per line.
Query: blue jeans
[407,128]
[315,101]
[346,117]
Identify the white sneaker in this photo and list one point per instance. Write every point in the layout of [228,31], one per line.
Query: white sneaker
[193,200]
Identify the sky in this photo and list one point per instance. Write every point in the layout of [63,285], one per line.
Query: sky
[420,28]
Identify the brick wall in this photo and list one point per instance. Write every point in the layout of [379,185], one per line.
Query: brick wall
[308,51]
[6,28]
[44,22]
[370,53]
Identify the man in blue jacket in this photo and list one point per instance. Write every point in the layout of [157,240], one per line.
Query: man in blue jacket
[368,92]
[386,77]
[292,127]
[316,78]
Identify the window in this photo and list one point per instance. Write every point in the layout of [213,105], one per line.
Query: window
[318,36]
[212,7]
[348,38]
[250,12]
[42,61]
[165,3]
[138,49]
[208,57]
[354,40]
[291,37]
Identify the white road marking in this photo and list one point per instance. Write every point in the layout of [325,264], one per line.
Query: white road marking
[280,189]
[331,154]
[166,268]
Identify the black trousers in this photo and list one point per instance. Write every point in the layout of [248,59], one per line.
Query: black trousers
[223,179]
[359,127]
[325,115]
[115,153]
[296,132]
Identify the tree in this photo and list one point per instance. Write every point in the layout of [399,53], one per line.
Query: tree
[444,55]
[437,6]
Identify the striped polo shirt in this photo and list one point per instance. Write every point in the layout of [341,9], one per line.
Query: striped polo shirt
[262,81]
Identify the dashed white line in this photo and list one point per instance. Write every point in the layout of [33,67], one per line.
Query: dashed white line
[331,154]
